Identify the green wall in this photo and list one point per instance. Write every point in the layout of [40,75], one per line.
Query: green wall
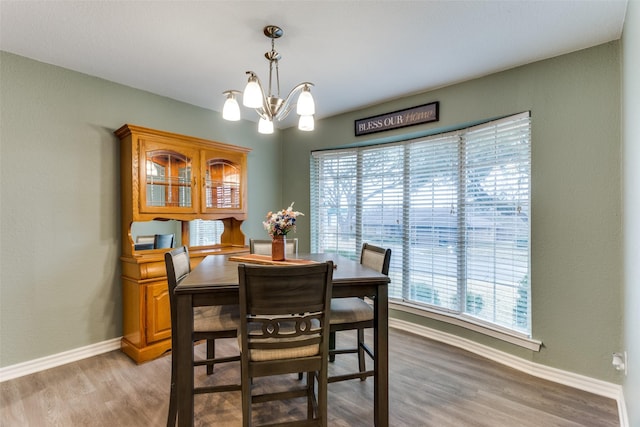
[576,262]
[631,205]
[60,199]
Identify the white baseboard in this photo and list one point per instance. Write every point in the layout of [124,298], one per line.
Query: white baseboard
[47,362]
[581,382]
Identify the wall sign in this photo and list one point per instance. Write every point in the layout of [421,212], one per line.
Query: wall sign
[398,119]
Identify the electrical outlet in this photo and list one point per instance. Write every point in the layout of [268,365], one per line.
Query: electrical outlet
[619,362]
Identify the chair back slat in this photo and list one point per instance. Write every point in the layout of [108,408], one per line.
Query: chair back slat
[376,258]
[178,267]
[263,247]
[284,289]
[181,265]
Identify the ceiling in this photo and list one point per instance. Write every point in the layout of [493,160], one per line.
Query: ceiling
[357,53]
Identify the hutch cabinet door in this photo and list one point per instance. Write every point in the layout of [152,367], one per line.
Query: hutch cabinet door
[167,178]
[223,182]
[158,311]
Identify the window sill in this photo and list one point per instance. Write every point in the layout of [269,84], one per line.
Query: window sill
[503,335]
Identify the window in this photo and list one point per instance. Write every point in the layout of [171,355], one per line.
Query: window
[454,209]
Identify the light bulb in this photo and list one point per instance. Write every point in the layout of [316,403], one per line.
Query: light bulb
[231,109]
[306,106]
[265,126]
[306,123]
[252,95]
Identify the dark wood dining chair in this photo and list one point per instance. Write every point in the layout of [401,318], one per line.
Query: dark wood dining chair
[162,241]
[355,313]
[284,329]
[263,247]
[209,323]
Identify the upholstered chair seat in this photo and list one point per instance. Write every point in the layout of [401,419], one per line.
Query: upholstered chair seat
[350,310]
[216,318]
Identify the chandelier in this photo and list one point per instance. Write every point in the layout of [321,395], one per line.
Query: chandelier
[270,106]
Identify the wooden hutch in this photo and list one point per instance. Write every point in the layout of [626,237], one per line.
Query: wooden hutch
[165,176]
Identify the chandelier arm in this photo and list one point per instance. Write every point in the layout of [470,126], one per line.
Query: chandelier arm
[287,105]
[284,111]
[263,114]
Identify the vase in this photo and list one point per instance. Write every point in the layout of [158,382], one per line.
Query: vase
[278,245]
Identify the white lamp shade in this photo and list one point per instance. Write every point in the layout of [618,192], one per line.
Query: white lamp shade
[306,123]
[252,95]
[265,126]
[231,109]
[306,106]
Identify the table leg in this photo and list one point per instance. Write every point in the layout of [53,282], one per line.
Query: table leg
[381,361]
[184,353]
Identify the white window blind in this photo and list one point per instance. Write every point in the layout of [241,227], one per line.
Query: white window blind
[496,211]
[381,173]
[333,202]
[433,222]
[205,232]
[454,209]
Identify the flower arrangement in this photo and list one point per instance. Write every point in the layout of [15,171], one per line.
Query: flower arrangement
[281,222]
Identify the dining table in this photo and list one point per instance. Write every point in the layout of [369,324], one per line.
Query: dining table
[215,282]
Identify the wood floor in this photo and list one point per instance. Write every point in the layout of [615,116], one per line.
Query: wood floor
[431,384]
